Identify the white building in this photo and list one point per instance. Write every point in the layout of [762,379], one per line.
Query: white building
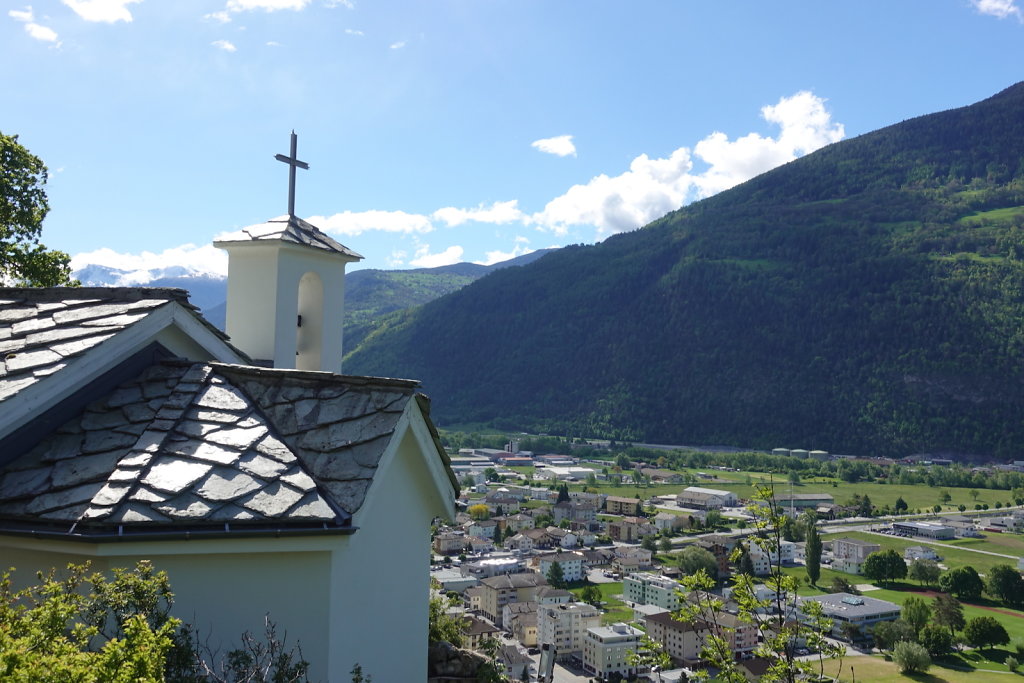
[565,625]
[572,565]
[849,554]
[131,429]
[705,499]
[606,649]
[645,588]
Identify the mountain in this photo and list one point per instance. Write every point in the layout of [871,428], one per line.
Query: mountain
[370,295]
[866,298]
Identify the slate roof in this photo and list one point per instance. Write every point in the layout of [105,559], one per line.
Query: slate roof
[44,330]
[209,445]
[289,229]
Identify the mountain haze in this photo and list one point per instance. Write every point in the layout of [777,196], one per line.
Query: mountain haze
[866,298]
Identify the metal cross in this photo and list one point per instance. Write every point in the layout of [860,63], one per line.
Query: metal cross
[293,163]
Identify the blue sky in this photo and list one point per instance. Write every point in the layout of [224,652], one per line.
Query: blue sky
[440,131]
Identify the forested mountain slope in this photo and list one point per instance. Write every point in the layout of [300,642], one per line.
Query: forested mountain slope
[866,298]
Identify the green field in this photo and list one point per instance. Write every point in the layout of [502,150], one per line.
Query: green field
[917,496]
[878,670]
[953,556]
[615,609]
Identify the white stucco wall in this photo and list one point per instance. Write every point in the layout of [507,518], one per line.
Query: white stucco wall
[224,593]
[263,302]
[360,598]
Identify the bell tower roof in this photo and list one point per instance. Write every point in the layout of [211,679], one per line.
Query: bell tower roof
[290,229]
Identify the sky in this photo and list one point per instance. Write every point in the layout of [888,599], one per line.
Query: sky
[440,131]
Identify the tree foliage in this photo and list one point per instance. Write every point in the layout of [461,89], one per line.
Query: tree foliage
[911,657]
[925,571]
[985,632]
[813,554]
[23,206]
[770,616]
[888,633]
[936,640]
[694,559]
[916,612]
[963,582]
[885,566]
[1005,583]
[82,627]
[948,612]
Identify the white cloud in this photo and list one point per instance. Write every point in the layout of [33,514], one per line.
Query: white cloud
[37,31]
[347,4]
[560,146]
[222,16]
[105,11]
[424,259]
[204,259]
[355,223]
[43,33]
[273,43]
[498,213]
[353,32]
[22,15]
[999,8]
[521,247]
[225,45]
[265,5]
[397,46]
[653,187]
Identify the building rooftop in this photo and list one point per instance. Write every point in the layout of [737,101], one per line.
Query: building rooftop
[853,606]
[208,445]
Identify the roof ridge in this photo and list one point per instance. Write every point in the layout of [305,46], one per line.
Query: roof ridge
[64,293]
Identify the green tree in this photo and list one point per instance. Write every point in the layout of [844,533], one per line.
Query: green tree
[948,613]
[916,612]
[865,508]
[982,632]
[842,585]
[944,496]
[649,654]
[83,627]
[649,543]
[777,633]
[963,582]
[563,493]
[1004,583]
[911,657]
[591,595]
[936,640]
[665,545]
[442,626]
[888,633]
[813,554]
[885,566]
[713,519]
[23,206]
[900,506]
[924,571]
[694,559]
[556,575]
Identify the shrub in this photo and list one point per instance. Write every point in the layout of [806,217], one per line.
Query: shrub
[911,657]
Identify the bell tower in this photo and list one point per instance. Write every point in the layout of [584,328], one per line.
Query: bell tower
[286,289]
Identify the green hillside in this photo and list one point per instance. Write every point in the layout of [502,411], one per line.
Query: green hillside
[373,295]
[866,298]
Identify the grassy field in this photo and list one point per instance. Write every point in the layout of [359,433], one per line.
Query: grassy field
[615,609]
[1007,544]
[953,556]
[878,670]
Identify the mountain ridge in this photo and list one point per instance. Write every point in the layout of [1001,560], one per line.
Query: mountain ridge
[863,298]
